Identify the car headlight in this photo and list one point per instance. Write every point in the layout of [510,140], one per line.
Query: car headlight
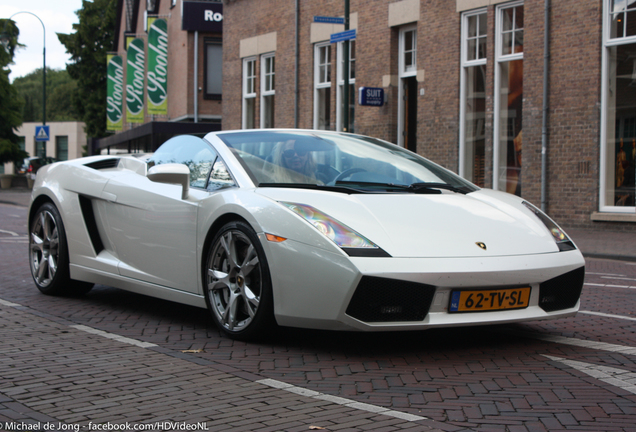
[560,237]
[353,243]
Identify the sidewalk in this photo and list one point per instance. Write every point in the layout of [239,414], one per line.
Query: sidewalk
[594,243]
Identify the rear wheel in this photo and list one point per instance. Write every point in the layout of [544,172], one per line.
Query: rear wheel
[237,283]
[48,254]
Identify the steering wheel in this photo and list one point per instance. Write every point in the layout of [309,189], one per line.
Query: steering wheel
[347,173]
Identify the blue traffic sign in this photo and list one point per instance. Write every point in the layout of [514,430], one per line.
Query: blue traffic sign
[328,20]
[41,133]
[343,36]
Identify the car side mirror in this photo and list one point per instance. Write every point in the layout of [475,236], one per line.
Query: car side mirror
[171,173]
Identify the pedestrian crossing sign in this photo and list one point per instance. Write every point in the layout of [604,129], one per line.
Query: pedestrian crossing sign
[41,133]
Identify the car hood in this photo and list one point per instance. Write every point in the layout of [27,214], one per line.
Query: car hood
[423,225]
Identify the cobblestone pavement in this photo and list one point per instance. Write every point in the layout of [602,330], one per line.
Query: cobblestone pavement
[113,357]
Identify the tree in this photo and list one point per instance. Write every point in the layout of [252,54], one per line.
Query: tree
[11,111]
[59,96]
[88,46]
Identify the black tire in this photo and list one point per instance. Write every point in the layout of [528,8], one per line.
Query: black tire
[48,254]
[237,283]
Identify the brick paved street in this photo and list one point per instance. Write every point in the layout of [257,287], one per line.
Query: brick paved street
[575,374]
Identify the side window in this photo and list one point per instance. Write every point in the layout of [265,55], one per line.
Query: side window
[191,151]
[220,176]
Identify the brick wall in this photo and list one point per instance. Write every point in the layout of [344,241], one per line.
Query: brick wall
[574,89]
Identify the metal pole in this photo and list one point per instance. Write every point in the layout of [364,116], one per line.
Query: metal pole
[345,117]
[296,65]
[43,68]
[544,127]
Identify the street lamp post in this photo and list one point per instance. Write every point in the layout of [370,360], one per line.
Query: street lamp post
[4,35]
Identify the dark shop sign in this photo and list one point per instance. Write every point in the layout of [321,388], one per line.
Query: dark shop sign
[371,96]
[202,16]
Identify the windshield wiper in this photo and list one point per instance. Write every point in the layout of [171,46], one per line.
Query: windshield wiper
[341,189]
[424,187]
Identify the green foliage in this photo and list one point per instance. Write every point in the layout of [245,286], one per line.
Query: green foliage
[88,45]
[59,95]
[11,111]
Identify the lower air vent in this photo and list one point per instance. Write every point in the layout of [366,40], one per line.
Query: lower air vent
[562,292]
[388,300]
[104,164]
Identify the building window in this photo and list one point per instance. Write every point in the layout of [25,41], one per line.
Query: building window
[61,148]
[322,86]
[249,93]
[408,52]
[213,68]
[40,149]
[352,86]
[508,98]
[268,90]
[618,128]
[473,98]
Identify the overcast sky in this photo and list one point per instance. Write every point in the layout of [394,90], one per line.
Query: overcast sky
[58,16]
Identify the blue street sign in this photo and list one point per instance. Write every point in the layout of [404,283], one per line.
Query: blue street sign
[343,36]
[41,133]
[328,20]
[371,96]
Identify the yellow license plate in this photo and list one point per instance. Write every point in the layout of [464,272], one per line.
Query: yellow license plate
[489,300]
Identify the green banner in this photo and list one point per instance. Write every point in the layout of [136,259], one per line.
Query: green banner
[158,67]
[135,71]
[114,93]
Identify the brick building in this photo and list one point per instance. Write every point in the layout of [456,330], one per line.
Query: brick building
[193,78]
[463,84]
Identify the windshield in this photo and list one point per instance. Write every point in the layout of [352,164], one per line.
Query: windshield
[335,160]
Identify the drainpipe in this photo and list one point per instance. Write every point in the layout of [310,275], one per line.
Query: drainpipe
[544,127]
[296,71]
[196,77]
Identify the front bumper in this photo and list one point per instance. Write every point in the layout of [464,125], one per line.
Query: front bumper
[314,288]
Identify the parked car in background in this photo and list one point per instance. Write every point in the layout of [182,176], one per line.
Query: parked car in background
[32,164]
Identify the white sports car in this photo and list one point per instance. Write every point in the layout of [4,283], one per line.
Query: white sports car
[300,228]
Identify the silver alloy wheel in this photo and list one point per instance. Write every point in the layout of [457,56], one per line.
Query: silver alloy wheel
[44,248]
[235,281]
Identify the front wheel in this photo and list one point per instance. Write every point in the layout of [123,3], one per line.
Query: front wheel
[237,283]
[48,254]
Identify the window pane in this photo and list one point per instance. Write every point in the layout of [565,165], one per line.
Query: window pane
[506,43]
[621,127]
[510,131]
[475,125]
[472,26]
[61,144]
[324,103]
[630,23]
[508,19]
[352,58]
[268,111]
[250,113]
[472,49]
[214,69]
[482,48]
[518,41]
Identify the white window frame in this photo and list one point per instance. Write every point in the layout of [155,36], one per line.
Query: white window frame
[267,77]
[247,94]
[403,73]
[605,71]
[499,58]
[318,83]
[352,81]
[465,63]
